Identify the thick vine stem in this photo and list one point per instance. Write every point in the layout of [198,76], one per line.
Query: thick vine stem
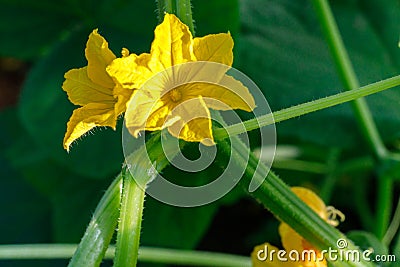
[130,221]
[277,197]
[97,237]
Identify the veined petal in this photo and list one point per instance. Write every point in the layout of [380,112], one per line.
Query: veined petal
[85,118]
[214,47]
[131,71]
[261,257]
[99,56]
[195,122]
[228,94]
[122,95]
[171,45]
[139,110]
[161,118]
[81,90]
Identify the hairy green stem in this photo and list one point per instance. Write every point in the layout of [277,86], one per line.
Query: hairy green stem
[184,13]
[360,108]
[348,77]
[277,197]
[305,108]
[146,254]
[130,222]
[181,8]
[97,237]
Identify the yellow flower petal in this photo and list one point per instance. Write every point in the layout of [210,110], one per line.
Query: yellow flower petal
[131,71]
[228,94]
[139,110]
[312,200]
[81,90]
[261,257]
[99,56]
[171,45]
[85,118]
[293,241]
[122,95]
[215,48]
[195,122]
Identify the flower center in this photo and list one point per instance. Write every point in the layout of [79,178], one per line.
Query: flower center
[175,95]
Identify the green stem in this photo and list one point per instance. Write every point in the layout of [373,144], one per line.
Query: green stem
[360,188]
[393,227]
[184,13]
[300,165]
[277,197]
[348,77]
[94,243]
[181,8]
[330,179]
[130,221]
[146,254]
[306,108]
[195,258]
[360,108]
[384,205]
[165,6]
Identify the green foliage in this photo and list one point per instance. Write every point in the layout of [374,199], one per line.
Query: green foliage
[283,51]
[48,195]
[367,241]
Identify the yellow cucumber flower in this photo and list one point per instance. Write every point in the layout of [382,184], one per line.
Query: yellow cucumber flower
[102,100]
[294,243]
[180,96]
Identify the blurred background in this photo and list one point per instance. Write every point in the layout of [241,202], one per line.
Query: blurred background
[48,195]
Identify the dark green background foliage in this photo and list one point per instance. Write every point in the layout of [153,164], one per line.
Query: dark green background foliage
[48,195]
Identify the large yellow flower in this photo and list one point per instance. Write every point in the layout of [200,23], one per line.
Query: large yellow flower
[102,100]
[293,242]
[176,96]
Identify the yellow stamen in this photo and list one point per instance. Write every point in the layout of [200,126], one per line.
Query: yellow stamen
[175,95]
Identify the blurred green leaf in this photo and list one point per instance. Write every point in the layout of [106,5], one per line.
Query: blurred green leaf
[175,227]
[282,49]
[216,16]
[29,28]
[73,205]
[45,110]
[24,214]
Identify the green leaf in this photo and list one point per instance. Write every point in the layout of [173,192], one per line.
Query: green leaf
[28,29]
[22,209]
[216,16]
[284,52]
[175,227]
[73,202]
[45,110]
